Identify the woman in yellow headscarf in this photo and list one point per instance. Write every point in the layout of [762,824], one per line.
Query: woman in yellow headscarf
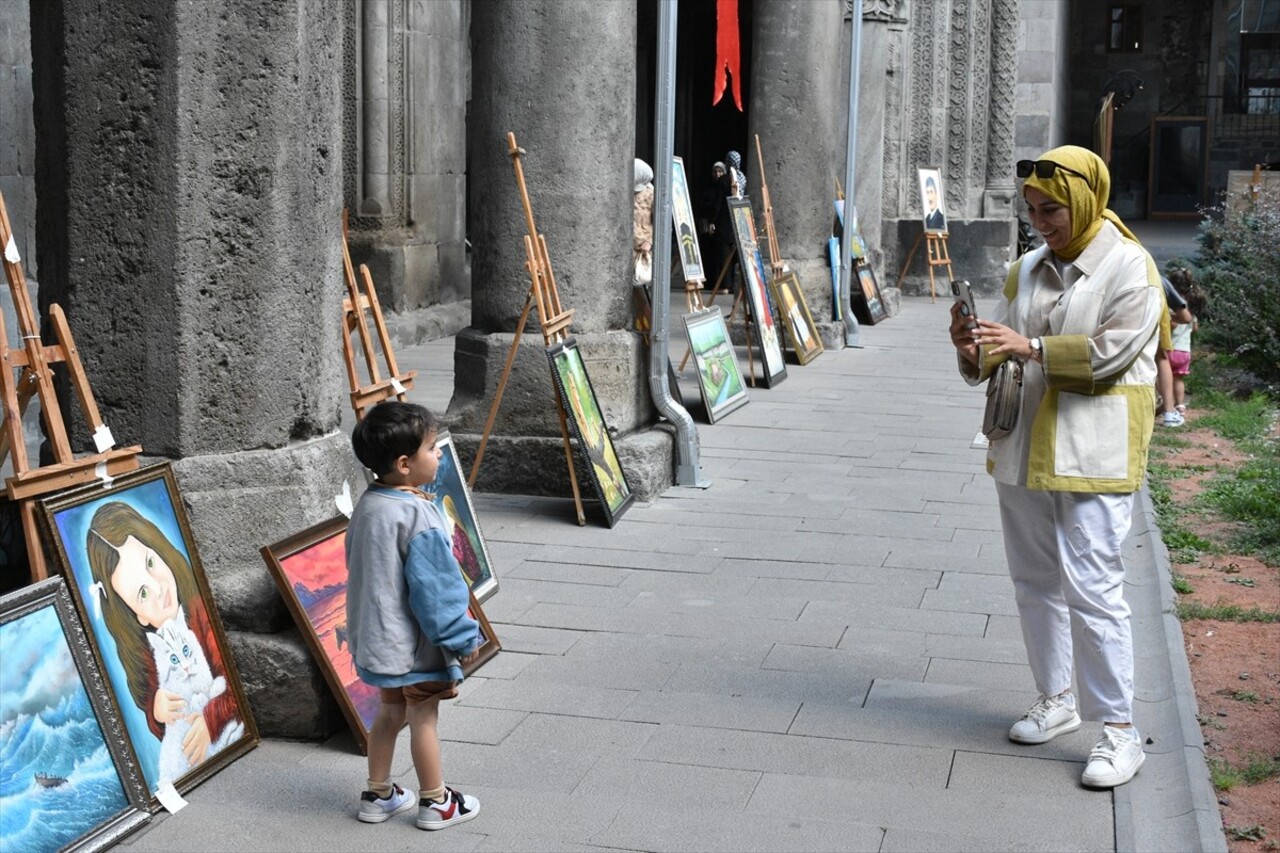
[1081,312]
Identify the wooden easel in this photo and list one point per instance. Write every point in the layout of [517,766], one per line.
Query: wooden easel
[771,235]
[363,397]
[936,247]
[33,361]
[552,317]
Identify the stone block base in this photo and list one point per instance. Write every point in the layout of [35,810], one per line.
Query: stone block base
[980,250]
[243,501]
[530,465]
[287,692]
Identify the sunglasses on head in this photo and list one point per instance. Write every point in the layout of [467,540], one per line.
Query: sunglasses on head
[1043,168]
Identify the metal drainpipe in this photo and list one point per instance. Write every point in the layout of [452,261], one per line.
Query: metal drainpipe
[851,335]
[688,471]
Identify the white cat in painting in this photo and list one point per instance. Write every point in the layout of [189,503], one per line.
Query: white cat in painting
[183,669]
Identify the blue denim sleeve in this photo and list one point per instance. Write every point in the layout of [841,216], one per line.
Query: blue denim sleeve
[438,594]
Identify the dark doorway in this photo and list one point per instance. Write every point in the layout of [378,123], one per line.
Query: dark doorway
[703,133]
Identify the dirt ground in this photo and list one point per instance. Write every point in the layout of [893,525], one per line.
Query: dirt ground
[1235,666]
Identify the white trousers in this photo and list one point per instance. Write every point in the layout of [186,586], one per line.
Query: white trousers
[1063,550]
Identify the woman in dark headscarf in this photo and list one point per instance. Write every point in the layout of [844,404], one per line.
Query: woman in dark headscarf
[737,178]
[1081,312]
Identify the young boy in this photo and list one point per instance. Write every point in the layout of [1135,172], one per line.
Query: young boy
[407,620]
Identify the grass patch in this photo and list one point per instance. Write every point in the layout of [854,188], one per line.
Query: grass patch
[1251,496]
[1247,833]
[1238,420]
[1223,776]
[1181,585]
[1221,612]
[1244,696]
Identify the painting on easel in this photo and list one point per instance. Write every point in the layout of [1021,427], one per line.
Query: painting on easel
[935,220]
[682,216]
[580,403]
[719,376]
[766,331]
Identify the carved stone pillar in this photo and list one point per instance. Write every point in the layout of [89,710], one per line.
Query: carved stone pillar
[797,109]
[997,199]
[405,151]
[948,119]
[558,74]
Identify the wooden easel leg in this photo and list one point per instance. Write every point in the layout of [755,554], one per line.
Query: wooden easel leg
[502,386]
[568,458]
[724,269]
[910,256]
[31,530]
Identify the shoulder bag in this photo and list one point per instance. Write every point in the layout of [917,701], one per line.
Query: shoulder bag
[1004,399]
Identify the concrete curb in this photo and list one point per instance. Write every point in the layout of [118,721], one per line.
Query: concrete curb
[1199,826]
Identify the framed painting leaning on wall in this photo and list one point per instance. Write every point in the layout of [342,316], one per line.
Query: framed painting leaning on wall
[70,781]
[135,575]
[310,568]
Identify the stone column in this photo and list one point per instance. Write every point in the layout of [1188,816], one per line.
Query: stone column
[405,157]
[997,197]
[188,222]
[881,23]
[560,75]
[799,109]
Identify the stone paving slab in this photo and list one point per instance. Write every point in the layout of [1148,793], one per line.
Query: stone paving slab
[817,652]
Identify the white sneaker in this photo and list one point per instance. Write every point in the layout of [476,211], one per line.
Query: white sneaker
[1115,759]
[1047,719]
[375,809]
[457,807]
[1171,418]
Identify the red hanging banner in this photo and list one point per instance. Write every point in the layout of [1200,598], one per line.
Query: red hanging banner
[727,51]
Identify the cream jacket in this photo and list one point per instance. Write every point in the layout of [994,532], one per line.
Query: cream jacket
[1087,412]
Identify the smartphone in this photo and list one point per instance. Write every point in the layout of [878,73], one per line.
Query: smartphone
[960,290]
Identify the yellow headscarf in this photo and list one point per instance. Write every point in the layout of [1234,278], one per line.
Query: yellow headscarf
[1086,197]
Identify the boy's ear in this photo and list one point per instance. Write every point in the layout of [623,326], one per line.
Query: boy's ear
[401,465]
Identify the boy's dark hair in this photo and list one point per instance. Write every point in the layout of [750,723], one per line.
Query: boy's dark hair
[390,430]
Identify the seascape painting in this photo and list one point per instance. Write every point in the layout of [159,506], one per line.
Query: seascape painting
[62,784]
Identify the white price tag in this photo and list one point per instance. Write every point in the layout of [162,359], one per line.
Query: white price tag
[11,251]
[345,506]
[170,798]
[396,386]
[103,439]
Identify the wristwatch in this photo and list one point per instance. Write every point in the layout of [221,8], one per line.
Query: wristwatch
[1037,350]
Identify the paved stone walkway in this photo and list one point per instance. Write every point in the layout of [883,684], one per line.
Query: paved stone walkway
[818,652]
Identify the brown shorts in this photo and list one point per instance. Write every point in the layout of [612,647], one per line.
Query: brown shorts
[416,694]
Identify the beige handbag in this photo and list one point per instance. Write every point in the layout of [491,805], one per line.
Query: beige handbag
[1004,398]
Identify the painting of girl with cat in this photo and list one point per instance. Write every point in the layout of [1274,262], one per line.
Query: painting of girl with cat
[154,624]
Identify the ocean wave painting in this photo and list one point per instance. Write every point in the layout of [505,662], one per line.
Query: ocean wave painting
[58,781]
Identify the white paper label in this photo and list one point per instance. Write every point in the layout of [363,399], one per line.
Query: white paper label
[11,251]
[102,438]
[100,471]
[980,441]
[170,798]
[345,506]
[396,386]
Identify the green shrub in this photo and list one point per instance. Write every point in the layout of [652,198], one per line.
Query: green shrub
[1239,272]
